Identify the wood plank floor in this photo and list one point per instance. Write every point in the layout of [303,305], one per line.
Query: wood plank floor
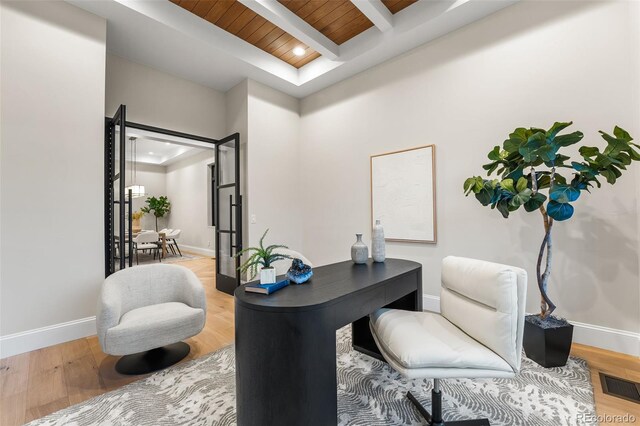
[38,383]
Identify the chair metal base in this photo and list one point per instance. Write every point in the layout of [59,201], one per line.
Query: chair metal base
[153,360]
[436,418]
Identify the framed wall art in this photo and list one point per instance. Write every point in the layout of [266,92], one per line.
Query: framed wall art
[403,194]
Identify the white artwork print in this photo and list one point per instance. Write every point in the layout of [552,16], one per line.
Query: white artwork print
[403,194]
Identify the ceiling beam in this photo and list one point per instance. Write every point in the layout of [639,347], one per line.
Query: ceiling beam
[278,14]
[377,13]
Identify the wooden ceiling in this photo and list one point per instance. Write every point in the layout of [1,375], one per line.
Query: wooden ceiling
[239,20]
[338,20]
[396,6]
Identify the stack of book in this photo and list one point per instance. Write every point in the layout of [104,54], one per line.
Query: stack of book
[266,288]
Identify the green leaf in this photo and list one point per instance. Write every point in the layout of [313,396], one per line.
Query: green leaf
[568,139]
[535,201]
[609,175]
[485,195]
[588,151]
[564,193]
[620,133]
[557,128]
[559,211]
[508,185]
[494,154]
[522,184]
[503,207]
[468,185]
[521,198]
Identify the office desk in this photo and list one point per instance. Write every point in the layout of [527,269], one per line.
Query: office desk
[286,342]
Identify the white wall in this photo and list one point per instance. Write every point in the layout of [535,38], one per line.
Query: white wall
[52,113]
[187,189]
[529,65]
[273,167]
[158,99]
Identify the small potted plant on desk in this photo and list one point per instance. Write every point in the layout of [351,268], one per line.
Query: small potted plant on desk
[262,257]
[528,164]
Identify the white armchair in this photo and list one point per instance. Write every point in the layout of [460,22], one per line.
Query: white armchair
[142,313]
[478,333]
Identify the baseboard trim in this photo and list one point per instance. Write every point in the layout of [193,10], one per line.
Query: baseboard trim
[198,250]
[611,339]
[26,341]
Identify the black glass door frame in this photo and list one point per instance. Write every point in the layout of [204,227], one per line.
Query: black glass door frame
[114,173]
[225,282]
[114,168]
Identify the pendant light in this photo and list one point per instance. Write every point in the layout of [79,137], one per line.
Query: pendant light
[137,191]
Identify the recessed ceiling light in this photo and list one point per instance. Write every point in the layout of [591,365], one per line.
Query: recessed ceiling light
[299,51]
[167,143]
[150,152]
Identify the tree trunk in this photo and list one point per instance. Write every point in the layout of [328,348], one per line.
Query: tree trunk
[156,223]
[546,305]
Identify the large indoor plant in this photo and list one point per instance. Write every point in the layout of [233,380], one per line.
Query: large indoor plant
[158,206]
[262,257]
[530,170]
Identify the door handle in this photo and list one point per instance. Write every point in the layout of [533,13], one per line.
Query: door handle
[230,225]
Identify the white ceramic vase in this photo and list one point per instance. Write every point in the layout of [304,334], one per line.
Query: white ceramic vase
[377,243]
[359,251]
[268,275]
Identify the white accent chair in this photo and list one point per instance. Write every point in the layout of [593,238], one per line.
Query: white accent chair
[147,240]
[478,333]
[282,266]
[143,311]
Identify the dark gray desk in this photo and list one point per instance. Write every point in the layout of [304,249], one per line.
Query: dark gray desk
[286,342]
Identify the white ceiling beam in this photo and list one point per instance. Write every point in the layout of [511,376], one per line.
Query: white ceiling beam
[377,13]
[279,15]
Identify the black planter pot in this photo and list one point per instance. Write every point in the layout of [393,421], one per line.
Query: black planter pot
[549,347]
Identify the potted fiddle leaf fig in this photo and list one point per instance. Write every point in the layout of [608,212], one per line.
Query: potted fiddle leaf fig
[262,257]
[534,175]
[158,206]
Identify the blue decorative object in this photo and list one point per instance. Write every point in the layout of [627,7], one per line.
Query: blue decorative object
[299,272]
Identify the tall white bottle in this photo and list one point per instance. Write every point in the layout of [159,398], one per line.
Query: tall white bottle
[377,243]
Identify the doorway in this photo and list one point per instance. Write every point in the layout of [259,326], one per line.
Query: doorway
[130,147]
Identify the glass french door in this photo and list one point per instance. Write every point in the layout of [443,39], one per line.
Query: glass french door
[228,213]
[117,203]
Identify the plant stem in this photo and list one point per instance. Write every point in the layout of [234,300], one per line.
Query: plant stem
[546,305]
[534,181]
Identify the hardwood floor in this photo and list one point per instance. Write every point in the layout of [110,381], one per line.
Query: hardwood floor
[619,365]
[38,383]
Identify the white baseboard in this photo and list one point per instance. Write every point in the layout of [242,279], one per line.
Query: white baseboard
[26,341]
[622,341]
[198,250]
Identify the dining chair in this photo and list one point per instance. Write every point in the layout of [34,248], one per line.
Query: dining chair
[147,240]
[172,238]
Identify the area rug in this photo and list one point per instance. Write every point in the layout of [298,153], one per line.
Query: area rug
[370,393]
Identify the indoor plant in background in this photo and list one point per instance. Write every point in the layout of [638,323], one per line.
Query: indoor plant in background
[158,206]
[262,257]
[528,164]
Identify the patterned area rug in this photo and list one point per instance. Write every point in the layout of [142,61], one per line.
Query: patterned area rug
[370,393]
